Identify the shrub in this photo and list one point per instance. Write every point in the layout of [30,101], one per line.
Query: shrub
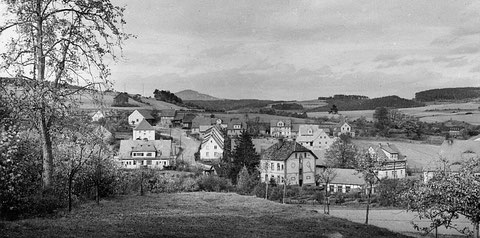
[213,183]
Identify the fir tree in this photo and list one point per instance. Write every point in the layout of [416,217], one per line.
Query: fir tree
[244,155]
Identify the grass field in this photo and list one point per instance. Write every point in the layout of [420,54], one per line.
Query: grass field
[263,117]
[191,215]
[468,112]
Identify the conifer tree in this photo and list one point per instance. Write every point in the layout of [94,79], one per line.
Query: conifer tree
[244,154]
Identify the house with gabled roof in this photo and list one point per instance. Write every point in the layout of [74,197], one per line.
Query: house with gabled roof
[235,127]
[144,131]
[452,154]
[313,137]
[345,180]
[134,154]
[120,100]
[281,128]
[343,127]
[138,115]
[212,145]
[393,162]
[200,121]
[187,121]
[167,116]
[288,162]
[98,115]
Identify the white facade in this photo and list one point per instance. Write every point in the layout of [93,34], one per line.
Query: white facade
[135,118]
[97,116]
[281,129]
[148,162]
[314,138]
[298,169]
[144,134]
[211,150]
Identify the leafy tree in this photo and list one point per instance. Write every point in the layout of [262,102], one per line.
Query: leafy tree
[246,182]
[58,44]
[368,165]
[382,121]
[341,153]
[326,176]
[333,109]
[167,96]
[244,154]
[447,196]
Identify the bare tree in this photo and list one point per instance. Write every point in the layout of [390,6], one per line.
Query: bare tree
[326,176]
[57,44]
[368,165]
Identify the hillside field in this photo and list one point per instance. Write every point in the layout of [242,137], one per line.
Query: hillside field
[468,112]
[197,214]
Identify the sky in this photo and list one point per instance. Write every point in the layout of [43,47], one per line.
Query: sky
[299,49]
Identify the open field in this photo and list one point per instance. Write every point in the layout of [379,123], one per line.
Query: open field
[419,155]
[468,112]
[191,215]
[251,116]
[395,220]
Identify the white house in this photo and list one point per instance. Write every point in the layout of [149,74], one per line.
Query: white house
[313,137]
[138,115]
[343,128]
[393,162]
[288,162]
[144,131]
[135,154]
[212,145]
[98,115]
[345,181]
[281,128]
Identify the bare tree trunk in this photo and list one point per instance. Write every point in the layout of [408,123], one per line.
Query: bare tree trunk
[476,230]
[47,174]
[266,190]
[368,203]
[325,205]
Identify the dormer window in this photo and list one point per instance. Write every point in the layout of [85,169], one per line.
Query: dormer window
[310,131]
[280,123]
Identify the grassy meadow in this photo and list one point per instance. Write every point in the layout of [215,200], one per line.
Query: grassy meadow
[197,214]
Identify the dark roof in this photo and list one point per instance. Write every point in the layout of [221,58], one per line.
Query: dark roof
[282,150]
[168,113]
[144,125]
[188,118]
[215,133]
[121,95]
[147,114]
[163,147]
[236,121]
[201,121]
[348,177]
[179,116]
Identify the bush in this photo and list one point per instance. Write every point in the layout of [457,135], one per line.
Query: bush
[213,183]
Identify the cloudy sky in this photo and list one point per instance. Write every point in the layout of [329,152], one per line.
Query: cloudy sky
[299,49]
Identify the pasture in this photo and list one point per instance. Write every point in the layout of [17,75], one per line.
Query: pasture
[197,214]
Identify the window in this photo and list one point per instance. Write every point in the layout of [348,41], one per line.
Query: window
[308,177]
[347,189]
[278,166]
[149,154]
[332,188]
[394,174]
[134,162]
[292,178]
[214,147]
[282,167]
[311,143]
[149,162]
[207,154]
[271,165]
[215,154]
[278,178]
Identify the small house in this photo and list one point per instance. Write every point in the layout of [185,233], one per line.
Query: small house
[167,116]
[120,100]
[281,128]
[144,131]
[212,145]
[140,114]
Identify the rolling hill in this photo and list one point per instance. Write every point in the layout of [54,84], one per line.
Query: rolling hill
[187,95]
[448,94]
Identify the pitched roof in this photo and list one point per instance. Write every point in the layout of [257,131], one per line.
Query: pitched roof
[121,95]
[287,122]
[128,146]
[214,132]
[311,137]
[282,150]
[179,116]
[144,125]
[147,114]
[380,150]
[347,177]
[235,121]
[188,118]
[201,121]
[168,113]
[304,128]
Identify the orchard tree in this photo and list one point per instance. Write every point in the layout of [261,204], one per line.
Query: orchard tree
[326,176]
[447,196]
[367,165]
[341,153]
[56,45]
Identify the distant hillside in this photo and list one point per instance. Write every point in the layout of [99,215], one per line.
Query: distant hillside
[448,94]
[194,95]
[348,104]
[227,104]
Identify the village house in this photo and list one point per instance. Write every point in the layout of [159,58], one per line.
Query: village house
[121,100]
[288,162]
[140,114]
[178,119]
[200,122]
[452,154]
[235,127]
[144,131]
[345,181]
[393,163]
[187,121]
[98,115]
[281,128]
[343,128]
[167,116]
[134,154]
[313,137]
[212,145]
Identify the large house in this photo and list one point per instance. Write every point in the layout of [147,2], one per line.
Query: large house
[281,128]
[313,137]
[393,163]
[140,114]
[144,131]
[288,162]
[212,145]
[135,154]
[453,153]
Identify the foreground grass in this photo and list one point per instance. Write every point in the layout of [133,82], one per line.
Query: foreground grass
[190,215]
